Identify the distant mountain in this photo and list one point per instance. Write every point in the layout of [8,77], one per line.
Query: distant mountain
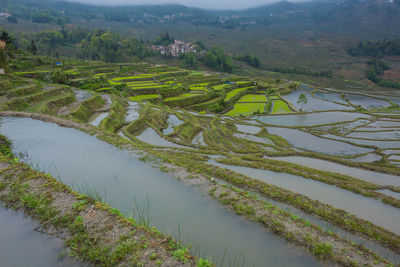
[357,17]
[364,19]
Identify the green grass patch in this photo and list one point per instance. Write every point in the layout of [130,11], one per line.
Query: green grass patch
[246,109]
[253,98]
[196,73]
[244,83]
[139,84]
[198,88]
[143,97]
[221,87]
[183,96]
[280,106]
[98,75]
[156,86]
[145,76]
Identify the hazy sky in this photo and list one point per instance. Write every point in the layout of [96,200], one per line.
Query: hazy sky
[208,4]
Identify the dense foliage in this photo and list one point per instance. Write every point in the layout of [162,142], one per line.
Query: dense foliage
[34,11]
[97,45]
[249,59]
[218,59]
[376,70]
[112,47]
[164,39]
[300,70]
[376,49]
[189,61]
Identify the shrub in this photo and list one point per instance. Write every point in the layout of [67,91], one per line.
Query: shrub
[322,249]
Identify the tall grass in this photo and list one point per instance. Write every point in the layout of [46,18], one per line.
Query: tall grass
[142,212]
[92,193]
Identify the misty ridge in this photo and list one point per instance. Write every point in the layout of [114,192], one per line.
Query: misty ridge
[204,4]
[366,19]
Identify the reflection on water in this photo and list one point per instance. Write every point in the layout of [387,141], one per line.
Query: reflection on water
[173,121]
[20,245]
[98,118]
[151,137]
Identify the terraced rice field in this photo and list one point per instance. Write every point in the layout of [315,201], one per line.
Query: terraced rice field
[283,174]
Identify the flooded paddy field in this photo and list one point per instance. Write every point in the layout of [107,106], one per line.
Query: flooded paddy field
[151,137]
[82,95]
[366,208]
[374,177]
[328,96]
[310,142]
[311,119]
[366,102]
[132,112]
[313,103]
[381,144]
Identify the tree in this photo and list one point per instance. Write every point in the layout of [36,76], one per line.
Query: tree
[210,60]
[12,19]
[49,39]
[64,32]
[42,18]
[200,45]
[302,100]
[32,47]
[5,37]
[3,59]
[269,92]
[112,47]
[164,39]
[218,59]
[189,60]
[249,59]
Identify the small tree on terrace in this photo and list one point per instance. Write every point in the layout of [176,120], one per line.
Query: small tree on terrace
[302,100]
[3,58]
[32,48]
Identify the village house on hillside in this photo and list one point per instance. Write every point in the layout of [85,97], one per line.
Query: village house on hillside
[177,48]
[5,14]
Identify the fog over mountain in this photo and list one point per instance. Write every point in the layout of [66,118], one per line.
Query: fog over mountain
[206,4]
